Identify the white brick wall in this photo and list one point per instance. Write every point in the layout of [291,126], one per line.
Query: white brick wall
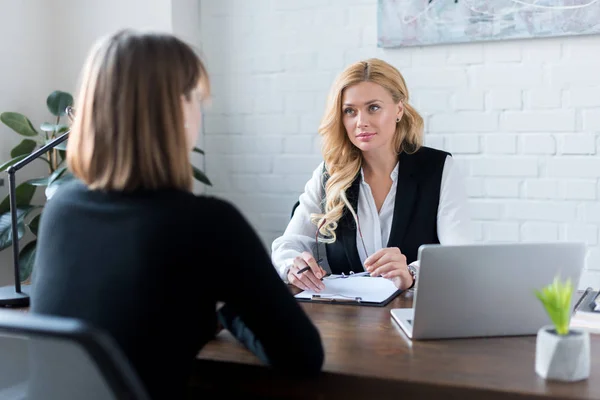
[522,118]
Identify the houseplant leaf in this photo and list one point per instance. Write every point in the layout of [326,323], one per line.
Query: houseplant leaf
[556,299]
[26,260]
[24,193]
[47,127]
[56,174]
[6,228]
[55,184]
[38,181]
[23,148]
[200,176]
[58,102]
[18,123]
[12,162]
[61,146]
[34,224]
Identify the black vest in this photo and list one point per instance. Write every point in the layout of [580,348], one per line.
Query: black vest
[415,211]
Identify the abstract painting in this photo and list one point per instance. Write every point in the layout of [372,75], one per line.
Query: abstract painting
[403,23]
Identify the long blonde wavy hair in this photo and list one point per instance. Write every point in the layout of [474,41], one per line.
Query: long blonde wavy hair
[342,159]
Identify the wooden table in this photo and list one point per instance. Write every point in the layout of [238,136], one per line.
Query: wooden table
[369,357]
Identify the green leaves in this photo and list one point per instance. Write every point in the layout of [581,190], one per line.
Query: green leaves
[200,176]
[61,146]
[556,299]
[24,193]
[26,260]
[58,102]
[38,181]
[23,148]
[56,180]
[15,160]
[34,224]
[57,175]
[6,238]
[57,128]
[18,123]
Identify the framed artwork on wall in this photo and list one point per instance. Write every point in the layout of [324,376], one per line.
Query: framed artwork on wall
[403,23]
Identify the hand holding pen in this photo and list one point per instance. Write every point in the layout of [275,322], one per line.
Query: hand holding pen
[306,273]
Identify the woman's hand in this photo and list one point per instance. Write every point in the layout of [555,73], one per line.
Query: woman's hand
[307,280]
[390,263]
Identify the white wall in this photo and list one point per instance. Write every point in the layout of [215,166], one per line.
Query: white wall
[25,82]
[43,45]
[29,56]
[185,20]
[86,21]
[523,117]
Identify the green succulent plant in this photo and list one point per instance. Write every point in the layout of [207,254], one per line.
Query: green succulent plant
[28,214]
[556,299]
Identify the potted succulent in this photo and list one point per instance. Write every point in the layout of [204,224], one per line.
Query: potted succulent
[562,353]
[57,174]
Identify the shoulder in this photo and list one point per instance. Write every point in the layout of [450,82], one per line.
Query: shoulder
[320,170]
[429,153]
[427,161]
[318,177]
[217,209]
[69,192]
[223,219]
[72,187]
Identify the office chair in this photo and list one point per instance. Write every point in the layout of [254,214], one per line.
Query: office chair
[52,358]
[294,208]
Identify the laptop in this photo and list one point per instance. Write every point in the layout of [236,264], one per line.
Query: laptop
[484,290]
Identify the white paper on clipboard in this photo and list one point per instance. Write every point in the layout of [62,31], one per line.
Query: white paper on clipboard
[358,288]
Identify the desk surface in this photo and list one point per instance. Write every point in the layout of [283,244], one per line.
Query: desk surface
[367,355]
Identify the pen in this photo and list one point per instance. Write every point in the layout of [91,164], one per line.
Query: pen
[307,267]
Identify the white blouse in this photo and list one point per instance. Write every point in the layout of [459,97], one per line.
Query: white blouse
[453,219]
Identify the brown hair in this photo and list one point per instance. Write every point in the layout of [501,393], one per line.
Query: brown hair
[129,130]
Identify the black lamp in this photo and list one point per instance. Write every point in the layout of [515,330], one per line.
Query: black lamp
[14,296]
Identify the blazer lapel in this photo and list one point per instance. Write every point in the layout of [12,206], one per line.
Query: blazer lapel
[406,195]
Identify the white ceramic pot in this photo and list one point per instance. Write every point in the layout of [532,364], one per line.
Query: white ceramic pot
[562,358]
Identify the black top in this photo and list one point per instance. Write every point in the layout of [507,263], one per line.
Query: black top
[414,221]
[149,268]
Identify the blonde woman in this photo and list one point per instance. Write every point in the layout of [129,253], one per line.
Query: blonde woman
[379,194]
[130,249]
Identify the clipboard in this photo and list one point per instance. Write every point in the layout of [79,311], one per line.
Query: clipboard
[358,289]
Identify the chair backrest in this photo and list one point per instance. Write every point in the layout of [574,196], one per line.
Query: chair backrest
[52,358]
[294,208]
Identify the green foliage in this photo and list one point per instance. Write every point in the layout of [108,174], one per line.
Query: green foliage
[556,299]
[18,123]
[57,103]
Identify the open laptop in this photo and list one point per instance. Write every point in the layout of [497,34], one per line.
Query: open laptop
[484,290]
